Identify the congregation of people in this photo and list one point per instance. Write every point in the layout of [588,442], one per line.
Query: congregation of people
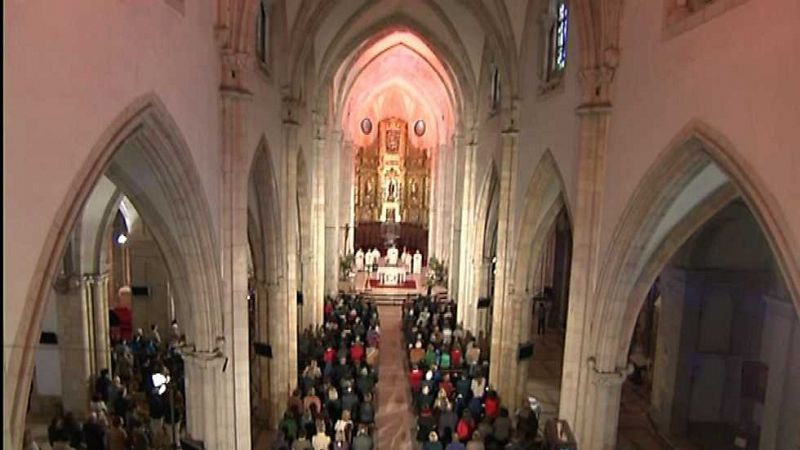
[127,411]
[334,404]
[448,369]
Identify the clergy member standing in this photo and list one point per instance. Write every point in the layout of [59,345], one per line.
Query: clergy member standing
[359,260]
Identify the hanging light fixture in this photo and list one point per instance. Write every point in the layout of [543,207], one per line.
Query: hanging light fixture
[122,239]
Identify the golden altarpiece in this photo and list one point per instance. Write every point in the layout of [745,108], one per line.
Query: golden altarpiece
[392,178]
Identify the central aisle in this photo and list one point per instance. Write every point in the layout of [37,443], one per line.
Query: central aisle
[394,418]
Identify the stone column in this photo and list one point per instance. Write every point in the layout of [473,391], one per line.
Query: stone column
[594,119]
[97,286]
[263,291]
[780,323]
[318,222]
[667,354]
[466,263]
[446,174]
[73,301]
[454,198]
[206,408]
[285,321]
[503,362]
[603,396]
[278,380]
[337,206]
[226,395]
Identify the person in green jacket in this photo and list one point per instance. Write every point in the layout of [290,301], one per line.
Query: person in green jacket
[289,426]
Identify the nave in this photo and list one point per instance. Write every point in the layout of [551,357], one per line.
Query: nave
[604,192]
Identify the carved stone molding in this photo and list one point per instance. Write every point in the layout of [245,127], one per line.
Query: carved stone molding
[95,277]
[607,378]
[236,67]
[67,284]
[290,111]
[597,83]
[320,122]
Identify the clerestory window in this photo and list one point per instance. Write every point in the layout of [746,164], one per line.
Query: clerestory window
[262,32]
[557,43]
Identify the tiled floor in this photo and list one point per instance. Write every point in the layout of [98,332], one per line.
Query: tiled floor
[544,373]
[394,420]
[544,383]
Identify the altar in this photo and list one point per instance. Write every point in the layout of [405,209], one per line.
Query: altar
[391,275]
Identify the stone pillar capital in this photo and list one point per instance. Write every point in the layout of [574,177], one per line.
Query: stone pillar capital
[607,378]
[68,284]
[236,65]
[596,82]
[290,111]
[320,123]
[95,277]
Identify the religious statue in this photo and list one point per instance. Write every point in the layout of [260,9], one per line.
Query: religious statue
[392,141]
[368,191]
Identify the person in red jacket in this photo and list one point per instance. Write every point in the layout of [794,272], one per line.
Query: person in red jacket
[415,378]
[465,426]
[455,356]
[329,356]
[446,385]
[492,404]
[357,350]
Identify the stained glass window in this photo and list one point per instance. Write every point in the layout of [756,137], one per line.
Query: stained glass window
[557,51]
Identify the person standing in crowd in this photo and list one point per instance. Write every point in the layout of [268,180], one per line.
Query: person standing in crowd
[94,433]
[117,436]
[302,442]
[540,317]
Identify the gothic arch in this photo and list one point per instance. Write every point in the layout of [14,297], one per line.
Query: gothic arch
[267,247]
[146,125]
[544,199]
[268,214]
[462,80]
[636,257]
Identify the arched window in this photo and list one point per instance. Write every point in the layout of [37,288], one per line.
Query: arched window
[557,42]
[262,32]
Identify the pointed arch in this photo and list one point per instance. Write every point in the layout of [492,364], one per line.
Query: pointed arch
[660,217]
[144,129]
[267,214]
[544,199]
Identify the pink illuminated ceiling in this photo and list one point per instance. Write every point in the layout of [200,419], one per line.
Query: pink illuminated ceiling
[397,76]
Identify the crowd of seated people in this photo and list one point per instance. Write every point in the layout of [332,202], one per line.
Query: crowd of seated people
[127,411]
[448,369]
[334,405]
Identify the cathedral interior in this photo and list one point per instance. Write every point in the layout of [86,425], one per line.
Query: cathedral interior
[333,224]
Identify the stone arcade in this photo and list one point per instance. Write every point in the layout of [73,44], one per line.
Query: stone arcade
[209,172]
